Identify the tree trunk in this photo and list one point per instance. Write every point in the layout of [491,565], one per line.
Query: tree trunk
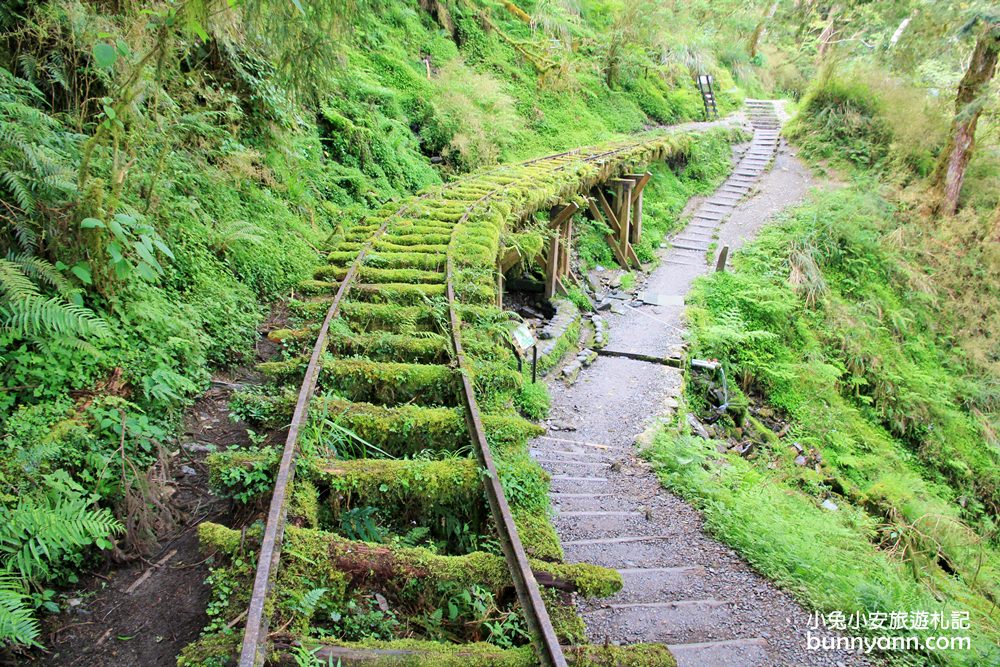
[829,31]
[950,171]
[758,32]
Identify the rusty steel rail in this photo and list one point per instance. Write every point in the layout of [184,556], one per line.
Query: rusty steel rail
[254,647]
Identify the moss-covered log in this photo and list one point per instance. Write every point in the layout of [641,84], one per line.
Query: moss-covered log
[388,383]
[401,431]
[375,566]
[407,294]
[370,274]
[393,259]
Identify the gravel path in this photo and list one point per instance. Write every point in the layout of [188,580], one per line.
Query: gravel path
[682,587]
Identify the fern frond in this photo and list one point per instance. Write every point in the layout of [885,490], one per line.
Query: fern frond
[17,622]
[14,284]
[42,271]
[34,316]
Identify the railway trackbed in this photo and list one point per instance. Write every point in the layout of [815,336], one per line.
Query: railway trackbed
[407,523]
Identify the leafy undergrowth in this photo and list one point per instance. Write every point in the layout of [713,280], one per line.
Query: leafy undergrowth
[167,171]
[831,325]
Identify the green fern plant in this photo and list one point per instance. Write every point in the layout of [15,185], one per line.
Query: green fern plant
[18,624]
[26,312]
[34,148]
[36,535]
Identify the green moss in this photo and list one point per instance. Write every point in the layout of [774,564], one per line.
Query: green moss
[402,430]
[592,581]
[214,650]
[537,534]
[393,260]
[369,274]
[303,505]
[417,653]
[634,655]
[389,383]
[566,622]
[384,346]
[215,537]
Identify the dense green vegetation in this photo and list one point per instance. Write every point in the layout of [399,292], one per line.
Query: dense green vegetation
[168,171]
[856,334]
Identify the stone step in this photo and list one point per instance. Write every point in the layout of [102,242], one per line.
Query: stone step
[577,483]
[649,584]
[636,551]
[665,622]
[569,453]
[566,467]
[585,501]
[592,524]
[750,652]
[689,246]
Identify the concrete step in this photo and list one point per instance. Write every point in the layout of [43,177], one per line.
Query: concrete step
[634,551]
[676,620]
[643,584]
[748,652]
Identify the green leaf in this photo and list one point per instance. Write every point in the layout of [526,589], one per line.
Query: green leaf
[117,229]
[298,6]
[115,250]
[122,47]
[91,223]
[105,55]
[82,271]
[146,271]
[163,248]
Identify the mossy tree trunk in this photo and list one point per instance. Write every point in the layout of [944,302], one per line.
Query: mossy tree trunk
[950,171]
[758,32]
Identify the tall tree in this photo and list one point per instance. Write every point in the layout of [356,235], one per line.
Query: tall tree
[969,100]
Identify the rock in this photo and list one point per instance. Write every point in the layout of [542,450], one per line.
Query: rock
[615,281]
[697,427]
[617,309]
[671,403]
[188,471]
[599,268]
[800,460]
[829,505]
[74,602]
[198,447]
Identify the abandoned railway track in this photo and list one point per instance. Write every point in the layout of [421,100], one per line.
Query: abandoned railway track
[400,421]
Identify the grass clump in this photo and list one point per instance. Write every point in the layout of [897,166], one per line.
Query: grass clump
[533,400]
[820,311]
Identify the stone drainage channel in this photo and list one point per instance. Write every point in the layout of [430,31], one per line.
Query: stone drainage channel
[681,588]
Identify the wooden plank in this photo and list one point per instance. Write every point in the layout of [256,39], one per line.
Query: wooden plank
[499,289]
[563,214]
[510,258]
[608,211]
[567,236]
[624,202]
[640,183]
[597,215]
[551,267]
[635,234]
[622,259]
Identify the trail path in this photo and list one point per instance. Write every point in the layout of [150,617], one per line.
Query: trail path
[681,587]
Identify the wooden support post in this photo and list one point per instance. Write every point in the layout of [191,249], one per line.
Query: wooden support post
[553,262]
[499,288]
[723,256]
[565,233]
[595,212]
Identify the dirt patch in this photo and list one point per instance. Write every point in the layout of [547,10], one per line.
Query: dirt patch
[143,612]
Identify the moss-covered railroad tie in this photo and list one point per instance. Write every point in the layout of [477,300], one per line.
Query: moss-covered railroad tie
[391,550]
